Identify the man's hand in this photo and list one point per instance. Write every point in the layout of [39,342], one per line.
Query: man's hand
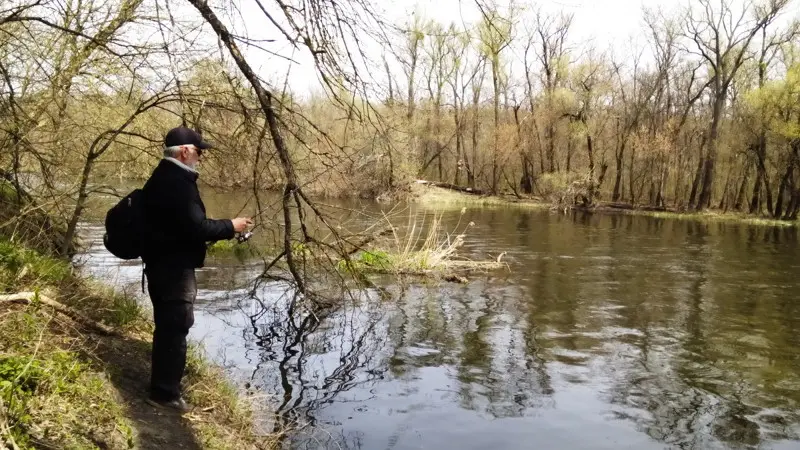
[241,223]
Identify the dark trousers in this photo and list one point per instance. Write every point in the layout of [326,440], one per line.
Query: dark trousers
[172,292]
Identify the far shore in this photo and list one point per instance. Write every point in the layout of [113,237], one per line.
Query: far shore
[440,198]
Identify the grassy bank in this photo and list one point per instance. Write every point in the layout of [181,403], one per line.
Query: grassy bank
[64,384]
[443,198]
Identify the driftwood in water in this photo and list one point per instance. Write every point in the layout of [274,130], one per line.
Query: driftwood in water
[363,243]
[626,206]
[629,207]
[29,297]
[452,187]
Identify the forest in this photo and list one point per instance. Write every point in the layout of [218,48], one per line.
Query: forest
[700,111]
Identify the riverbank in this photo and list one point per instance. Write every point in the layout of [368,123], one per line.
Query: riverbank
[442,198]
[76,377]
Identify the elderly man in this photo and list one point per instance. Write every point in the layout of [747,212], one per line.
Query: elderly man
[175,237]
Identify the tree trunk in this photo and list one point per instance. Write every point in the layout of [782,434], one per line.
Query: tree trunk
[389,78]
[755,199]
[569,153]
[679,173]
[590,154]
[782,189]
[541,159]
[791,214]
[711,155]
[459,142]
[631,179]
[662,181]
[439,158]
[471,168]
[526,182]
[696,183]
[551,146]
[618,177]
[66,246]
[791,208]
[437,122]
[723,202]
[495,149]
[762,179]
[742,188]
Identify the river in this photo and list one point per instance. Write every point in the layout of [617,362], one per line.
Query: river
[606,332]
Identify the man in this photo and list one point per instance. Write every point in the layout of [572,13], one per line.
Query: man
[176,233]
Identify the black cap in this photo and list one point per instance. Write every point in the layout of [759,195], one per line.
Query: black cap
[185,136]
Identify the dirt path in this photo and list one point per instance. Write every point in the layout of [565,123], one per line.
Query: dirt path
[127,362]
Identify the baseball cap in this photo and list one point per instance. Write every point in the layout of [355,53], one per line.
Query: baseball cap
[185,136]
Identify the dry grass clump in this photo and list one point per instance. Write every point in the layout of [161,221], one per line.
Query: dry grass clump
[210,392]
[425,249]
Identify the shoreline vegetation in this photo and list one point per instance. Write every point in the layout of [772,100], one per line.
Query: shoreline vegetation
[74,353]
[429,195]
[423,250]
[507,102]
[74,365]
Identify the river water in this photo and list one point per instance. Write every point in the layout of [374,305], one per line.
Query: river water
[605,332]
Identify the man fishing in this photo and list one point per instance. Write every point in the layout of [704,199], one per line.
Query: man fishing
[176,231]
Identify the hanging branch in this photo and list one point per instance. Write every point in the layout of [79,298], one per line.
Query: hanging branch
[293,197]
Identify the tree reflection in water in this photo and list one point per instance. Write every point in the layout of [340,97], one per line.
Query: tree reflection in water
[647,331]
[315,351]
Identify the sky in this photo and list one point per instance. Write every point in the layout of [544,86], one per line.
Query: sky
[604,22]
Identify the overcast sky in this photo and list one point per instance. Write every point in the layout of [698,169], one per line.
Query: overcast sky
[604,22]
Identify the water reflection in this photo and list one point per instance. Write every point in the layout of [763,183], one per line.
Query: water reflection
[608,332]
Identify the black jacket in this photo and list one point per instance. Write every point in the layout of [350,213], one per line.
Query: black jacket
[176,226]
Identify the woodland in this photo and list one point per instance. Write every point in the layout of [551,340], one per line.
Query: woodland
[700,111]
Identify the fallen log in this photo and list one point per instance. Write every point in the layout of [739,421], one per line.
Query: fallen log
[626,206]
[629,207]
[452,187]
[369,239]
[28,298]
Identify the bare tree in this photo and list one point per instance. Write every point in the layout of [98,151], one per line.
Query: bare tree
[771,42]
[552,53]
[495,33]
[722,37]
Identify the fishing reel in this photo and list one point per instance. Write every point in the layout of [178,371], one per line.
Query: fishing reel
[244,237]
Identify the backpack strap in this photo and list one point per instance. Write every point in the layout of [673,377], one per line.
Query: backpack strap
[143,278]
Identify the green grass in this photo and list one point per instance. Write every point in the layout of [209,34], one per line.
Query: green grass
[232,248]
[715,216]
[56,393]
[49,395]
[21,266]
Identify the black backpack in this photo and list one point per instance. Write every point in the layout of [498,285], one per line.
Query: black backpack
[125,226]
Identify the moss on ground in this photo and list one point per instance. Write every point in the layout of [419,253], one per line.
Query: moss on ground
[63,387]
